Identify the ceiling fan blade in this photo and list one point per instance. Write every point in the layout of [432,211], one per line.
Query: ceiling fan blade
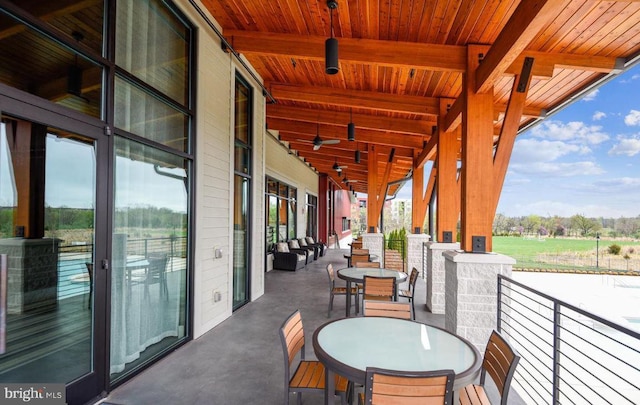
[330,141]
[316,147]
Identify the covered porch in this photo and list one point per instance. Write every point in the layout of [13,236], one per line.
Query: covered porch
[240,361]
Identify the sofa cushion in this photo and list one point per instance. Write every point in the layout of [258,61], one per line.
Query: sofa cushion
[309,240]
[282,247]
[302,242]
[293,244]
[302,258]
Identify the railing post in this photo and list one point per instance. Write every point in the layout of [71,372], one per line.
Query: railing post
[556,353]
[499,306]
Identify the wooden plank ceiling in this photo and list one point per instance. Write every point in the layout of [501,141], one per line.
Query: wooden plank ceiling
[399,57]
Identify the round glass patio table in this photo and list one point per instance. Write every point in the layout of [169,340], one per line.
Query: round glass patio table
[356,275]
[348,346]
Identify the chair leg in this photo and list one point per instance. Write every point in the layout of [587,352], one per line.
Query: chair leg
[330,305]
[413,309]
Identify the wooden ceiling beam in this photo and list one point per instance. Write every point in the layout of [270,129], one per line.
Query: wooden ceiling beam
[330,132]
[373,122]
[409,55]
[371,100]
[449,58]
[524,24]
[296,141]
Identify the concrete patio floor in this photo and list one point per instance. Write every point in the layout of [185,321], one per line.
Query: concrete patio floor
[240,361]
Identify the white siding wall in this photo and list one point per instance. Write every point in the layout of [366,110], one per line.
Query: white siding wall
[214,179]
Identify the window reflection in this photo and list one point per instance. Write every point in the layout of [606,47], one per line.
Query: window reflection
[48,69]
[149,254]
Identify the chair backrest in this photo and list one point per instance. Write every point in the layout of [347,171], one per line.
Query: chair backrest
[408,387]
[331,274]
[294,244]
[356,244]
[391,309]
[500,361]
[379,288]
[282,247]
[292,338]
[413,277]
[368,264]
[157,264]
[359,252]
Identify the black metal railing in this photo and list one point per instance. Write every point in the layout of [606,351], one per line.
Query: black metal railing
[73,278]
[568,355]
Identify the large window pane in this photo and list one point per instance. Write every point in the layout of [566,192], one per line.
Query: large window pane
[83,17]
[148,256]
[153,45]
[48,69]
[47,211]
[140,113]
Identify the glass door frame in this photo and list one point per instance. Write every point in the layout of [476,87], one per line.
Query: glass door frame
[27,107]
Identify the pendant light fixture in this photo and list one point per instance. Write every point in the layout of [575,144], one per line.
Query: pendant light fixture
[351,128]
[331,45]
[357,157]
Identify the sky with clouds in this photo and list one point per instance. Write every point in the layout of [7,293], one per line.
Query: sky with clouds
[584,160]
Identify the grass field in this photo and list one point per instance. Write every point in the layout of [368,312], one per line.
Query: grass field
[567,253]
[517,246]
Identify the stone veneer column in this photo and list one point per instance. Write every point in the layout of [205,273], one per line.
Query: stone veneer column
[32,273]
[436,275]
[415,252]
[471,288]
[374,242]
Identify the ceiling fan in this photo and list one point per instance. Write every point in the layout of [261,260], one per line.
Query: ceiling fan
[338,168]
[318,142]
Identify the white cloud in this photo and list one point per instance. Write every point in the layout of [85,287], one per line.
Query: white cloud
[555,169]
[617,185]
[633,118]
[563,209]
[532,150]
[575,131]
[598,115]
[626,146]
[591,96]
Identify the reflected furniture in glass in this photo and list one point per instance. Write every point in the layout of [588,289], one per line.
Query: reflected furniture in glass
[348,346]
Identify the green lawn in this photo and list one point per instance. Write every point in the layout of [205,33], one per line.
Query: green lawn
[518,246]
[558,251]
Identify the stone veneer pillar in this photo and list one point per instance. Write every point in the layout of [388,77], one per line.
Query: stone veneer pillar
[471,288]
[374,242]
[32,273]
[415,252]
[436,275]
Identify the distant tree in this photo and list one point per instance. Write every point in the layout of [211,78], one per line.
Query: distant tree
[585,225]
[531,223]
[500,224]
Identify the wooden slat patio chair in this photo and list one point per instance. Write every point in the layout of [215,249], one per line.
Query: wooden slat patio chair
[378,288]
[401,310]
[409,293]
[308,375]
[333,290]
[371,265]
[387,387]
[500,361]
